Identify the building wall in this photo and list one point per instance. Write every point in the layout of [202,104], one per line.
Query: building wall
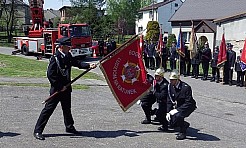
[187,31]
[162,15]
[235,33]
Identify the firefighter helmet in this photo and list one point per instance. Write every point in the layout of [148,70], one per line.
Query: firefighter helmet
[174,75]
[160,72]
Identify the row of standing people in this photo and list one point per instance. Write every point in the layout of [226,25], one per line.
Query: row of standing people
[153,60]
[110,44]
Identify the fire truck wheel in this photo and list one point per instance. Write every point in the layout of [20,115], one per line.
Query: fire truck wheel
[24,50]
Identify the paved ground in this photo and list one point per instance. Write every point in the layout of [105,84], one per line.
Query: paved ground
[219,120]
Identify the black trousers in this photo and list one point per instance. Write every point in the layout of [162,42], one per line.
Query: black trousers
[164,63]
[158,62]
[146,104]
[240,78]
[195,70]
[182,67]
[101,51]
[215,72]
[172,64]
[205,66]
[152,63]
[65,99]
[161,114]
[146,61]
[178,121]
[188,64]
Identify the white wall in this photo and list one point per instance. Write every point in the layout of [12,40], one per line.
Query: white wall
[235,30]
[209,36]
[235,33]
[162,15]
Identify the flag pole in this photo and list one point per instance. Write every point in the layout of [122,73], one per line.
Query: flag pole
[87,70]
[223,78]
[180,34]
[161,44]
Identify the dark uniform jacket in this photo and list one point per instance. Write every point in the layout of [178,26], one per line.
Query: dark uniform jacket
[59,70]
[160,92]
[231,58]
[206,54]
[151,50]
[173,53]
[182,95]
[214,60]
[237,64]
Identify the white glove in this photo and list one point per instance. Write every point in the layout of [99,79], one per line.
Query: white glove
[168,117]
[231,68]
[174,111]
[175,59]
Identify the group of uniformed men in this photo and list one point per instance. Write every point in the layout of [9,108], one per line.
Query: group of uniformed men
[205,57]
[175,102]
[174,98]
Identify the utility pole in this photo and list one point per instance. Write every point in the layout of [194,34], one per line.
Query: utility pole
[153,2]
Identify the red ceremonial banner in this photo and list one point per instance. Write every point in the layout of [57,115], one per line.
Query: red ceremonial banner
[126,75]
[222,53]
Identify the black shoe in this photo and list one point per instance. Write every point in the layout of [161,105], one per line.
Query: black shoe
[193,76]
[230,84]
[181,136]
[72,131]
[146,121]
[163,129]
[196,77]
[38,136]
[218,81]
[212,80]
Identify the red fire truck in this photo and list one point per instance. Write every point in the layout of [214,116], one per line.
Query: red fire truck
[42,39]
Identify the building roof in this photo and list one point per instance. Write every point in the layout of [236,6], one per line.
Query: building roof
[156,6]
[208,9]
[65,7]
[237,16]
[50,14]
[16,2]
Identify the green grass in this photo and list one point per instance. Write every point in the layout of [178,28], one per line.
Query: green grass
[13,66]
[75,86]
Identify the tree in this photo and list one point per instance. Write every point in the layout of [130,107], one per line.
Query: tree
[123,13]
[153,31]
[9,13]
[170,39]
[89,11]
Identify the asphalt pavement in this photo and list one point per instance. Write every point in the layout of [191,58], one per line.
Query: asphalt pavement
[219,120]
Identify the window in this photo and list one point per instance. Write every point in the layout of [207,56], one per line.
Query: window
[140,16]
[184,36]
[176,5]
[150,14]
[140,29]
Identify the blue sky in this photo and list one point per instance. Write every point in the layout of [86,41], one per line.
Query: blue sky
[55,4]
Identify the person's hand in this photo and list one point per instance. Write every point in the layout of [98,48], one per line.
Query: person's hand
[64,88]
[174,111]
[93,65]
[232,68]
[168,117]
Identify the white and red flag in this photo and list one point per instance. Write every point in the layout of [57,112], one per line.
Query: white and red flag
[126,75]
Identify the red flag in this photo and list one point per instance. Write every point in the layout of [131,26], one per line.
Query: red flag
[126,76]
[243,57]
[160,42]
[222,53]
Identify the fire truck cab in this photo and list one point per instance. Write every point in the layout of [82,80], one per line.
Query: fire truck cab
[42,39]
